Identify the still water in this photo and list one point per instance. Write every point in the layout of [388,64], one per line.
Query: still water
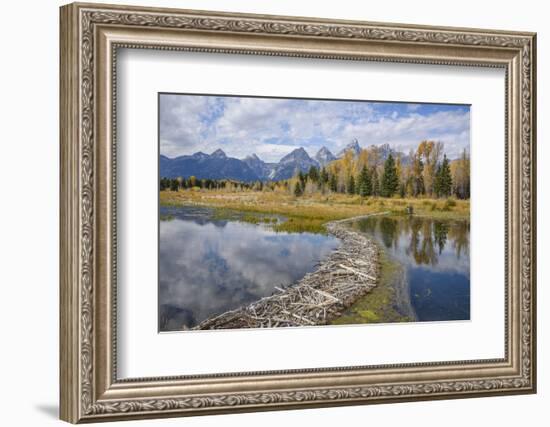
[434,256]
[208,265]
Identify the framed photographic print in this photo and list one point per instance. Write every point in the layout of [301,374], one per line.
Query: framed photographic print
[294,240]
[265,212]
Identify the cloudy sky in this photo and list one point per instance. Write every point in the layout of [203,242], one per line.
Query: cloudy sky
[271,128]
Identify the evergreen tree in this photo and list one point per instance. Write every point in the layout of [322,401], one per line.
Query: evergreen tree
[417,171]
[323,180]
[174,185]
[324,176]
[365,182]
[437,182]
[313,174]
[164,184]
[375,183]
[402,190]
[350,187]
[297,189]
[333,183]
[446,178]
[443,183]
[302,177]
[390,180]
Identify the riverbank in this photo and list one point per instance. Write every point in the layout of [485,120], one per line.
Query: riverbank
[310,213]
[319,297]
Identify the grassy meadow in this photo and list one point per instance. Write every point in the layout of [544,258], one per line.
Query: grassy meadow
[308,213]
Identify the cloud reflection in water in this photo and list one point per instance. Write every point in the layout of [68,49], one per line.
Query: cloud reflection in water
[209,267]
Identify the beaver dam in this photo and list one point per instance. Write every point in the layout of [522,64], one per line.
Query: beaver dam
[348,273]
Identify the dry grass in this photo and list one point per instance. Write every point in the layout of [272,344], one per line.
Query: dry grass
[311,212]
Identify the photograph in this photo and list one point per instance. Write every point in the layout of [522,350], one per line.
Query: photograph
[278,212]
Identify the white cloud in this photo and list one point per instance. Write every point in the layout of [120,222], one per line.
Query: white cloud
[452,128]
[273,127]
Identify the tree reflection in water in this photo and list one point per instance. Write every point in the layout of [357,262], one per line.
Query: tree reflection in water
[425,238]
[434,254]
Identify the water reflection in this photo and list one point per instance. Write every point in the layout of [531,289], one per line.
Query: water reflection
[208,266]
[435,256]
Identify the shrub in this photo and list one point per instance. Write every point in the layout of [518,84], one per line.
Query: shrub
[448,205]
[450,202]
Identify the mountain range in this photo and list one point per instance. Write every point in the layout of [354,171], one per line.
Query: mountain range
[219,166]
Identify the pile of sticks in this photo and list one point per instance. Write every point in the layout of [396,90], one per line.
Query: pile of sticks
[347,274]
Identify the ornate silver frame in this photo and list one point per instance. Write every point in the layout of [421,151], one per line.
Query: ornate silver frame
[90,36]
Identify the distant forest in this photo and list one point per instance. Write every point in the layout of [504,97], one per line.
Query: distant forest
[427,172]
